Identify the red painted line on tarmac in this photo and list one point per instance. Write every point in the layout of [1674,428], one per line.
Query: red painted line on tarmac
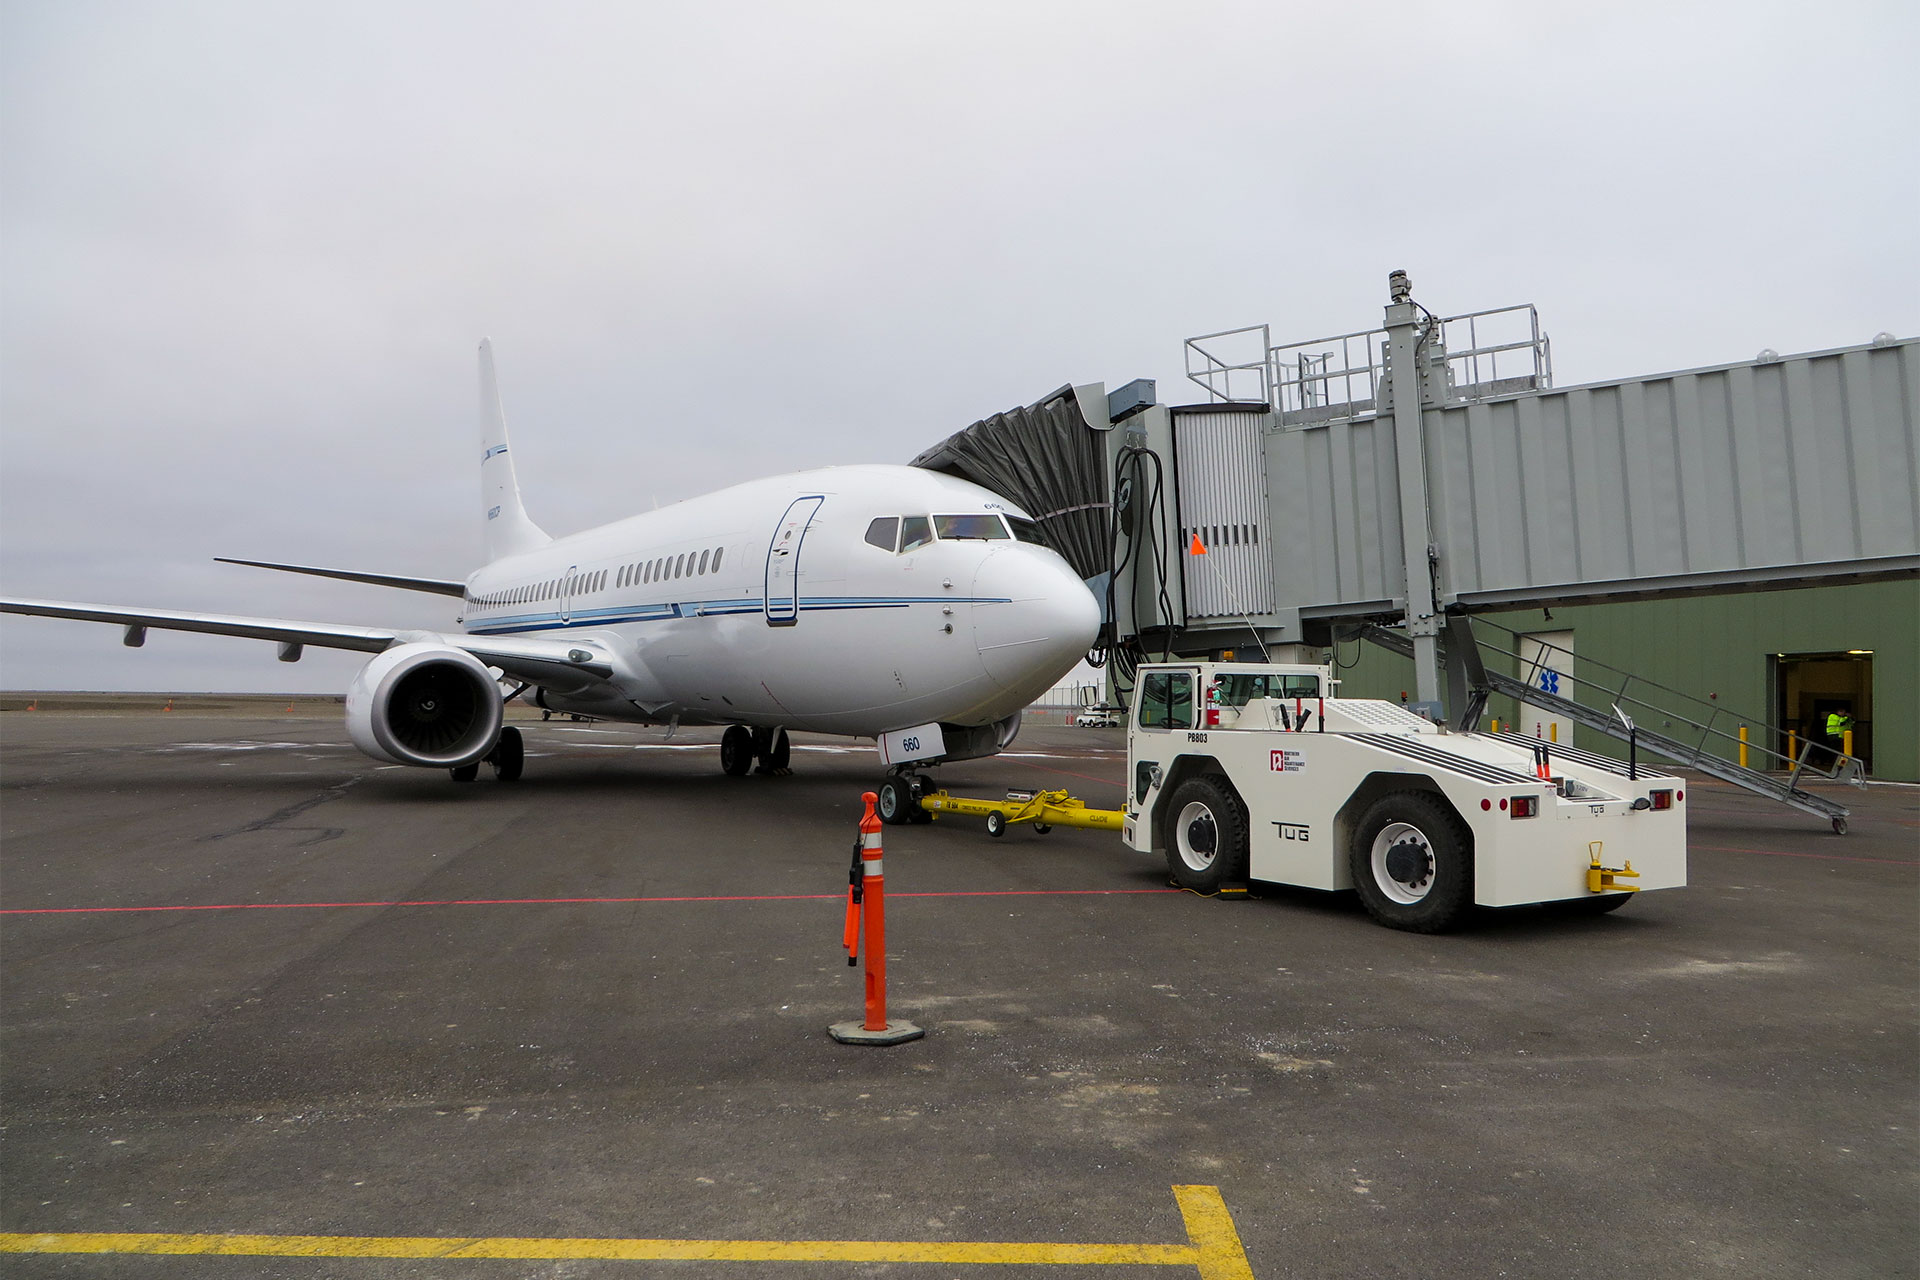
[548,902]
[1782,853]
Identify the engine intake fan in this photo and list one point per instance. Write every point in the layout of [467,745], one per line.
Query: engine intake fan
[425,704]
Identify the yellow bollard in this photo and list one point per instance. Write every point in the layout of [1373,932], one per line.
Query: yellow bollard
[1793,745]
[1743,746]
[1846,742]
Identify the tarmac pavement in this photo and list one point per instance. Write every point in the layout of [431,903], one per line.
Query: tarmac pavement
[253,982]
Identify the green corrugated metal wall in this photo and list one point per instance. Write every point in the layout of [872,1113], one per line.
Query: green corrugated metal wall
[1722,645]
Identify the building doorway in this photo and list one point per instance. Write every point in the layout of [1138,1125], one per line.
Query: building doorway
[1808,687]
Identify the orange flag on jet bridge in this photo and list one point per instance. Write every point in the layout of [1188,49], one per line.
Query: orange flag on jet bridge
[1198,548]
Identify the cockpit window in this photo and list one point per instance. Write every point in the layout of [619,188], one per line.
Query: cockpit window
[1026,530]
[915,531]
[980,526]
[882,532]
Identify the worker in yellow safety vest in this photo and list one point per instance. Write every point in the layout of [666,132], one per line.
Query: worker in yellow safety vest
[1839,724]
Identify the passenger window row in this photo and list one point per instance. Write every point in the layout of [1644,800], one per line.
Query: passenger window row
[687,564]
[578,584]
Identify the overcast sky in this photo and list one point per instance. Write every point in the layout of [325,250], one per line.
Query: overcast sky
[247,250]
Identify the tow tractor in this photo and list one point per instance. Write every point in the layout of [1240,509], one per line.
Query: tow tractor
[1254,771]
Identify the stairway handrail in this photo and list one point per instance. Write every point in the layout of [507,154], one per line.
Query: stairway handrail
[1842,764]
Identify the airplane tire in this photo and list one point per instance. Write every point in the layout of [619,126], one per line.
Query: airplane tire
[509,756]
[917,788]
[465,772]
[780,756]
[895,802]
[1412,863]
[736,751]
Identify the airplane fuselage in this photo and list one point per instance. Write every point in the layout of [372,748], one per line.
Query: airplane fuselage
[782,603]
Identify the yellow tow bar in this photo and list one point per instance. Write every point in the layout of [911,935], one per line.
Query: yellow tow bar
[1044,809]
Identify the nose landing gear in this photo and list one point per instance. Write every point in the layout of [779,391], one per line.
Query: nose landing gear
[898,802]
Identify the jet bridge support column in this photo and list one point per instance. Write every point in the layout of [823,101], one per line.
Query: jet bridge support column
[1404,337]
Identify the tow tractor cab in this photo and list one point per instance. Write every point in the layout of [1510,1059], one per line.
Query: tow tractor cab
[1254,771]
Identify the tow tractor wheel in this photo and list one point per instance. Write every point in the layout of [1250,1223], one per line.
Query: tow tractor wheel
[996,825]
[736,750]
[1207,841]
[509,758]
[1412,863]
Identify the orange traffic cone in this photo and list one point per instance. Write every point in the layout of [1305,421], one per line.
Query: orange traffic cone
[866,911]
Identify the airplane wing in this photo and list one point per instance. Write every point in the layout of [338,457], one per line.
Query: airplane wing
[576,661]
[437,586]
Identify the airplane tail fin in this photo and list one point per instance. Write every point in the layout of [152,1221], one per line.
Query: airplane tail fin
[506,528]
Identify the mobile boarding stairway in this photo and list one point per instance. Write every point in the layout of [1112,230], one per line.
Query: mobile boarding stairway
[1699,749]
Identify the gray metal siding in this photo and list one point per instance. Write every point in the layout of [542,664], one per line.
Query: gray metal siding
[1807,461]
[1224,500]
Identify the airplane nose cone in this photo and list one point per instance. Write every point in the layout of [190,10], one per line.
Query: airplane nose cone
[1032,618]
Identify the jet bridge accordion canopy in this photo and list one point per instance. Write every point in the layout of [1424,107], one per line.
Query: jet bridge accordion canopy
[1047,459]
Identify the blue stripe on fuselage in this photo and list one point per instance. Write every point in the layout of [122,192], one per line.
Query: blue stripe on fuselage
[704,609]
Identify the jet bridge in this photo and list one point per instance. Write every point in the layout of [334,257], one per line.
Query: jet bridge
[1431,468]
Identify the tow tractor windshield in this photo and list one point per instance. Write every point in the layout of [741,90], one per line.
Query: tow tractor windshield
[1236,690]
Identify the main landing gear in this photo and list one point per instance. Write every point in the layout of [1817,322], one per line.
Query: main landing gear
[508,758]
[741,747]
[898,801]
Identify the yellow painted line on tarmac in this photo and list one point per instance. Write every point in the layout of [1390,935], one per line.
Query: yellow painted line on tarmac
[1213,1247]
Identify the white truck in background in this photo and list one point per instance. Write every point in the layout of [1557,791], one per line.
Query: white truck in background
[1242,771]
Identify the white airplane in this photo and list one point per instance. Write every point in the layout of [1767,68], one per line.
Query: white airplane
[876,601]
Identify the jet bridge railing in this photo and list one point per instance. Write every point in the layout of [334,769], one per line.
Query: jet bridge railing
[1643,698]
[1688,728]
[1499,351]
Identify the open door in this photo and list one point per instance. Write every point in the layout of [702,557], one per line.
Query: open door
[1810,686]
[783,562]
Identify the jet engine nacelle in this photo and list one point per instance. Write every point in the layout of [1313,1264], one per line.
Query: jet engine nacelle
[425,704]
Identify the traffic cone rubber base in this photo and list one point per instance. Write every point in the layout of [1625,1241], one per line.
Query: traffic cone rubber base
[857,1033]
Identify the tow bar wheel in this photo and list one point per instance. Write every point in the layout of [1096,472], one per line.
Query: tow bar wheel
[1412,863]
